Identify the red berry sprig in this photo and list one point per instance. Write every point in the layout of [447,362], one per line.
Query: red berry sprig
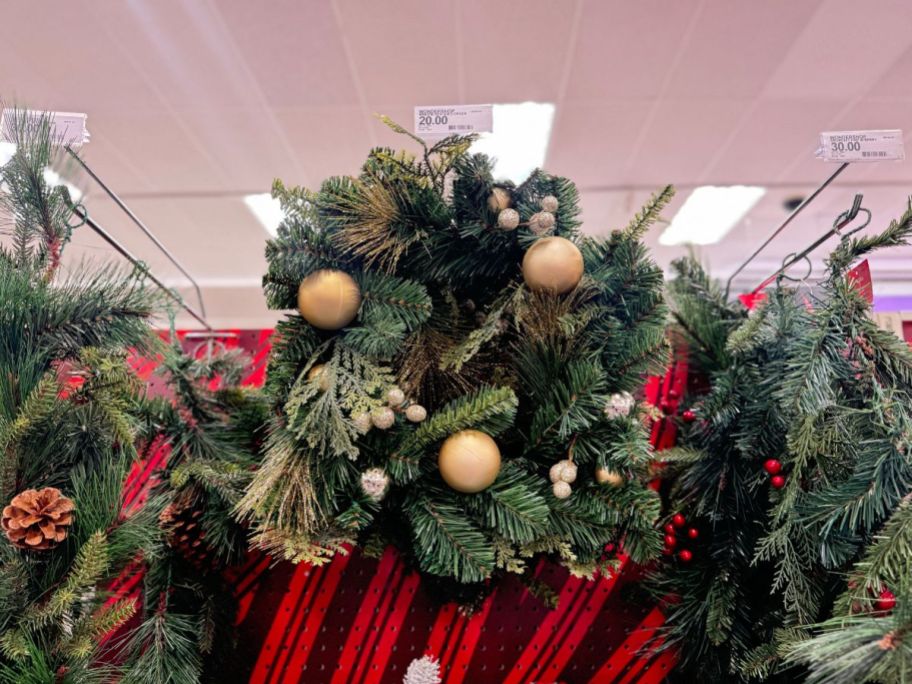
[886,601]
[678,521]
[773,467]
[688,416]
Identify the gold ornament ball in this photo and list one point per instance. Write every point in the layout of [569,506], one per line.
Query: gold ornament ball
[552,264]
[508,219]
[549,203]
[329,299]
[416,413]
[568,472]
[609,477]
[561,489]
[318,373]
[469,461]
[362,422]
[383,418]
[556,471]
[499,200]
[395,397]
[541,223]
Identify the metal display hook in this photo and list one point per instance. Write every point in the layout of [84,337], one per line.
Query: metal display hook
[149,234]
[843,220]
[83,214]
[782,226]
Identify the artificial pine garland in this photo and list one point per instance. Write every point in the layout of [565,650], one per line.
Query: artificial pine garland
[796,473]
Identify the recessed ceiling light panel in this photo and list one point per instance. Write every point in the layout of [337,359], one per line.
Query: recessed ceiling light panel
[267,210]
[520,139]
[709,213]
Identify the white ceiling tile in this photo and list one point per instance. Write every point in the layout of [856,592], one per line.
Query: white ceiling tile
[736,46]
[770,138]
[591,142]
[329,142]
[683,136]
[294,51]
[403,52]
[843,50]
[624,49]
[495,42]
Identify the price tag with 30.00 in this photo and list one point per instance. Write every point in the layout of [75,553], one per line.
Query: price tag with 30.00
[861,146]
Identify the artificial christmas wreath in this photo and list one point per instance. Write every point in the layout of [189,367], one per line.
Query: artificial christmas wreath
[456,338]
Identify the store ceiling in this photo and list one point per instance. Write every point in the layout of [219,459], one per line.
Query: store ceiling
[194,104]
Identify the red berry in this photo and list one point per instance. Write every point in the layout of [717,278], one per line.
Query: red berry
[887,600]
[678,520]
[689,416]
[685,555]
[670,541]
[669,529]
[673,394]
[772,466]
[693,533]
[777,481]
[667,551]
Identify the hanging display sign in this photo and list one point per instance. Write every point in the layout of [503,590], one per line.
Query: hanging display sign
[861,146]
[441,121]
[67,128]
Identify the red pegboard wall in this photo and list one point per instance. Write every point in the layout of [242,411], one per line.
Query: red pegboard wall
[361,620]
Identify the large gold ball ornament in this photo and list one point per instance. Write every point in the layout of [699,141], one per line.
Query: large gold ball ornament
[469,461]
[329,299]
[609,477]
[552,264]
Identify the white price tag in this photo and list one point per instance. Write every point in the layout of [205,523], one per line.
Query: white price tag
[439,122]
[67,128]
[861,146]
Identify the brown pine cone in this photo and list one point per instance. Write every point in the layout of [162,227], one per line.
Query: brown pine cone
[182,522]
[38,519]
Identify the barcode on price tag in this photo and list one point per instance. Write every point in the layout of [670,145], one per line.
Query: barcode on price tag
[861,146]
[439,122]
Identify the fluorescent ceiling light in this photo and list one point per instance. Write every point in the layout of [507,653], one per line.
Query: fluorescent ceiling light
[709,213]
[267,209]
[54,179]
[520,139]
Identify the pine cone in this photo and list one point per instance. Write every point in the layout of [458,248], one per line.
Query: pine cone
[182,521]
[38,519]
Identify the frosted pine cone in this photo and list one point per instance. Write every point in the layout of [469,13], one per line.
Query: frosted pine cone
[619,405]
[424,670]
[38,519]
[374,482]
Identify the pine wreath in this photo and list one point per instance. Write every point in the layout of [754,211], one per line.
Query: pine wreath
[437,302]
